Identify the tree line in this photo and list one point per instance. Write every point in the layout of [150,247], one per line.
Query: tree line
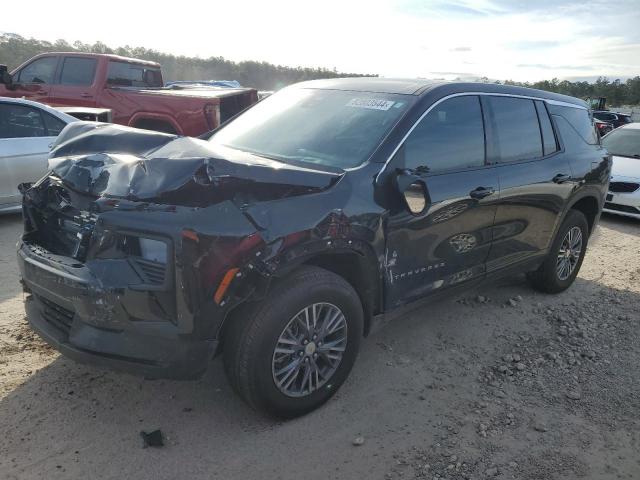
[15,49]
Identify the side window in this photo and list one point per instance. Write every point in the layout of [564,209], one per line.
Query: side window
[450,136]
[580,120]
[54,125]
[78,71]
[549,143]
[19,121]
[39,71]
[516,128]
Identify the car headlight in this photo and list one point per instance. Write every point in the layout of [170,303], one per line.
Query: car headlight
[153,250]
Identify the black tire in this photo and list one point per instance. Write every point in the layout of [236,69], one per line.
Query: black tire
[546,278]
[250,340]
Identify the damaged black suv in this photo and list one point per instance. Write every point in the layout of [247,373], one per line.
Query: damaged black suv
[284,237]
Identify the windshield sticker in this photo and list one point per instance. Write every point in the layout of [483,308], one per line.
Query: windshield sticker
[371,103]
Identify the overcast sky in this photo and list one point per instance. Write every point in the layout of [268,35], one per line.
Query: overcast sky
[500,39]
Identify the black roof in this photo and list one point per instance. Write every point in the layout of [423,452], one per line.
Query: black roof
[422,87]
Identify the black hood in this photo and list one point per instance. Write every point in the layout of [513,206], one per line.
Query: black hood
[103,160]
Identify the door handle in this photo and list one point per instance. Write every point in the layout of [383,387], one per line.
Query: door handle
[481,192]
[86,95]
[561,178]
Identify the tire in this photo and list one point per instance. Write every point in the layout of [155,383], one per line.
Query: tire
[252,364]
[550,277]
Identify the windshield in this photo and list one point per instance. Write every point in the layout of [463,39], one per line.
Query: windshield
[623,142]
[328,127]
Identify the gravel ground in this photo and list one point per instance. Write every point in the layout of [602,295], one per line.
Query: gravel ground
[501,382]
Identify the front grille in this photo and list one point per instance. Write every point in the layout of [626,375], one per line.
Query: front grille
[58,316]
[621,208]
[153,273]
[623,187]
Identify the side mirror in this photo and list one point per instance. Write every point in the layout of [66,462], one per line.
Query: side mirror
[413,190]
[5,76]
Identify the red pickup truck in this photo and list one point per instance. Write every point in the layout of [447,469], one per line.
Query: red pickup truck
[132,89]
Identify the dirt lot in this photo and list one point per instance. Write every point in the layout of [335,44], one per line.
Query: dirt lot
[501,382]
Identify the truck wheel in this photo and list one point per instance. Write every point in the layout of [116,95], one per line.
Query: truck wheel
[289,353]
[565,257]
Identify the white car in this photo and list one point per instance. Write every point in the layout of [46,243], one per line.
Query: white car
[624,188]
[27,132]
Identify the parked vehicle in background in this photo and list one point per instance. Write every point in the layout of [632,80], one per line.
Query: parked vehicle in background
[602,127]
[89,114]
[132,89]
[615,119]
[324,211]
[624,189]
[27,132]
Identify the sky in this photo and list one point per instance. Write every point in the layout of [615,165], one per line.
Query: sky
[500,39]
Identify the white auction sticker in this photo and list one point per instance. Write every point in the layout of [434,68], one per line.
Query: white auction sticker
[371,103]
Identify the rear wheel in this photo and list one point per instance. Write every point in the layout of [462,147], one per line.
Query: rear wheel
[288,354]
[565,257]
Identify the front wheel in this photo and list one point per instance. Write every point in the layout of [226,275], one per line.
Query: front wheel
[565,257]
[288,354]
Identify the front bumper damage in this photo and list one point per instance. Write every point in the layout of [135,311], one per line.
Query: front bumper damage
[105,311]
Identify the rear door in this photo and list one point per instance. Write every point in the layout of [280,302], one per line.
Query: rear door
[77,82]
[24,147]
[449,242]
[34,80]
[535,179]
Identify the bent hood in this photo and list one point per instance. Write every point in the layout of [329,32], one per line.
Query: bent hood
[104,160]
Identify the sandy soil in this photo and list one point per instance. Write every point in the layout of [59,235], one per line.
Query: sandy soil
[501,382]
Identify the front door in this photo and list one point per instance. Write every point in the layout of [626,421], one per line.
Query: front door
[34,80]
[448,243]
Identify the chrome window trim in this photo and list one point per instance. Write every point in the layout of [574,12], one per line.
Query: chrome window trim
[466,94]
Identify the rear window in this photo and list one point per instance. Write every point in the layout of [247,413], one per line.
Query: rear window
[78,71]
[133,75]
[516,128]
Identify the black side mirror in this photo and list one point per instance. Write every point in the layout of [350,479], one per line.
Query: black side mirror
[410,184]
[5,76]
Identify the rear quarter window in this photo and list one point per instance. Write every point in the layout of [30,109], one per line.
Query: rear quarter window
[580,120]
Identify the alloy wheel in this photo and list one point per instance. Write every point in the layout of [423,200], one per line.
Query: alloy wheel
[309,349]
[569,254]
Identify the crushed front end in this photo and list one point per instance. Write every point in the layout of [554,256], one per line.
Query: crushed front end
[124,284]
[134,259]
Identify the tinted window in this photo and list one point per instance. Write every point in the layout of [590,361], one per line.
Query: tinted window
[580,120]
[450,136]
[18,121]
[326,127]
[39,71]
[549,143]
[133,75]
[516,128]
[78,71]
[624,142]
[54,125]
